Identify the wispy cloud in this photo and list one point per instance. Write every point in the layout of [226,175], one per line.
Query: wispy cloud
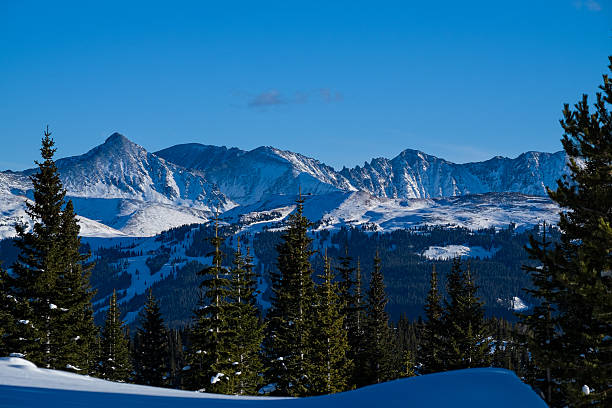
[267,98]
[590,5]
[274,97]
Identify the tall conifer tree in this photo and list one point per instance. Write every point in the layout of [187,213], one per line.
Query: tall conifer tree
[54,325]
[357,335]
[75,331]
[151,357]
[579,282]
[331,366]
[210,352]
[114,362]
[466,331]
[432,343]
[291,317]
[244,375]
[379,364]
[7,307]
[542,338]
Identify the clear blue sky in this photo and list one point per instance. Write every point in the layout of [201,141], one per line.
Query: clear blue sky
[342,81]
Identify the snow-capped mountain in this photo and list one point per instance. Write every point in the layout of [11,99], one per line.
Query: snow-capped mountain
[248,176]
[414,174]
[119,168]
[120,188]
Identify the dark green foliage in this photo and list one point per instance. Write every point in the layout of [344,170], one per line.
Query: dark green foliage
[379,345]
[53,323]
[353,310]
[244,374]
[114,361]
[156,262]
[466,332]
[211,349]
[7,308]
[432,343]
[330,366]
[151,354]
[291,317]
[75,328]
[575,281]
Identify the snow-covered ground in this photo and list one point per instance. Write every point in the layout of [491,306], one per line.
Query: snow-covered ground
[22,384]
[515,303]
[452,251]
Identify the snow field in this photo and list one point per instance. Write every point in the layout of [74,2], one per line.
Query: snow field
[22,384]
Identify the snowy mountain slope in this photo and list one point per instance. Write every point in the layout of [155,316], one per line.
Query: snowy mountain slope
[119,168]
[198,156]
[247,177]
[338,209]
[121,186]
[133,192]
[13,211]
[414,174]
[25,385]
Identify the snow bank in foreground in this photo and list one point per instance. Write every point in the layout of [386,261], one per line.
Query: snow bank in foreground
[24,385]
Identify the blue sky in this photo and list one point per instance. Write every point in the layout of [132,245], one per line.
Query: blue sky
[342,81]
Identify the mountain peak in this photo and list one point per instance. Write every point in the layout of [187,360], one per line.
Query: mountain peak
[116,138]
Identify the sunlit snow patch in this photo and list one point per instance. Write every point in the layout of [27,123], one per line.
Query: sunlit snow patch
[515,303]
[439,253]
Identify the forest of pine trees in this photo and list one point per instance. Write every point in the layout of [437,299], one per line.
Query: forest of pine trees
[329,332]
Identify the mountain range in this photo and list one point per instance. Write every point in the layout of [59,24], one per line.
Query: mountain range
[120,189]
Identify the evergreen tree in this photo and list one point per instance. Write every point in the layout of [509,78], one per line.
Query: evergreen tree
[330,364]
[357,335]
[114,362]
[75,331]
[542,339]
[151,346]
[53,315]
[210,353]
[432,344]
[291,317]
[577,282]
[466,331]
[7,307]
[379,364]
[244,376]
[352,310]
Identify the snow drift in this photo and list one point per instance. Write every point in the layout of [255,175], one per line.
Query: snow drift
[22,384]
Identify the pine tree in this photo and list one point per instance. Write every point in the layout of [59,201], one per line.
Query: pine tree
[433,340]
[7,307]
[542,338]
[291,317]
[49,284]
[75,331]
[114,361]
[151,357]
[577,282]
[244,376]
[357,335]
[466,332]
[352,309]
[330,364]
[379,364]
[210,353]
